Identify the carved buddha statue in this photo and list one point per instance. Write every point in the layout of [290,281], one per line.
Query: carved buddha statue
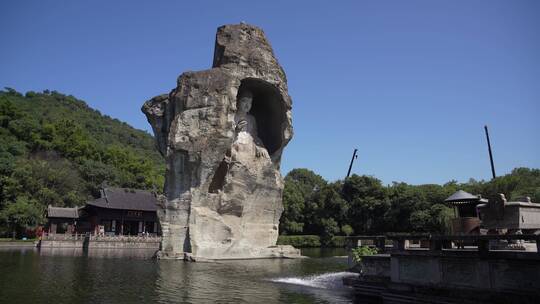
[246,125]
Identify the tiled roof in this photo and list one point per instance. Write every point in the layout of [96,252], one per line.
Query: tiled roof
[126,199]
[461,196]
[60,212]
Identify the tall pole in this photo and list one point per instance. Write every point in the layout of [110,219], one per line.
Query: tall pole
[352,160]
[490,153]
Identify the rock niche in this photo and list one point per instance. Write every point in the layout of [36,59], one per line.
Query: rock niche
[222,132]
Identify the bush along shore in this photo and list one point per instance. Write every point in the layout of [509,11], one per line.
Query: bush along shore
[311,241]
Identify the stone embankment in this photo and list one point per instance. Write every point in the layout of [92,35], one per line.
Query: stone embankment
[99,242]
[18,244]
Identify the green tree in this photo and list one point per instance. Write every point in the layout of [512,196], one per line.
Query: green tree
[8,112]
[50,182]
[71,140]
[330,202]
[329,229]
[368,203]
[347,230]
[20,215]
[404,200]
[293,204]
[300,207]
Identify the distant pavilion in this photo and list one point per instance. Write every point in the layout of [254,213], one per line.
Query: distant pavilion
[62,220]
[119,211]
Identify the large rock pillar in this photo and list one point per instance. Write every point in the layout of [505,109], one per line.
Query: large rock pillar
[222,132]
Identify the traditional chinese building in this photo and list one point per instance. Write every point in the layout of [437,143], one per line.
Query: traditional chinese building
[62,220]
[118,211]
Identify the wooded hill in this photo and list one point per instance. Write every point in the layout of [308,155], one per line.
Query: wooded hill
[55,149]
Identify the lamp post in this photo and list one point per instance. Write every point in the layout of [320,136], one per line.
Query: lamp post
[354,156]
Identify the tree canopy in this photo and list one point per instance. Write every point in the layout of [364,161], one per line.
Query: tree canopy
[55,150]
[363,205]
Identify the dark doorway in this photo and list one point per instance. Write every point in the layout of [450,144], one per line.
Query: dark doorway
[131,227]
[149,227]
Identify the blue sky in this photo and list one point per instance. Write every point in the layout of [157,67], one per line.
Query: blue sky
[409,83]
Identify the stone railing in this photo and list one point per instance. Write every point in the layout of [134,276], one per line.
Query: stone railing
[93,237]
[377,241]
[126,238]
[483,244]
[62,237]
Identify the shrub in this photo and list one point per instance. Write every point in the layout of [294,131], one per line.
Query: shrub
[308,241]
[362,251]
[300,241]
[338,241]
[347,230]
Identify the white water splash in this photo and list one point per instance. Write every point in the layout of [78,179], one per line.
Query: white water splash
[330,280]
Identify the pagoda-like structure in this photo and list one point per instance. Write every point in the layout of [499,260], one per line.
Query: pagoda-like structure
[467,220]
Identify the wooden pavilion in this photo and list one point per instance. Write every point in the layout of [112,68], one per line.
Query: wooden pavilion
[119,211]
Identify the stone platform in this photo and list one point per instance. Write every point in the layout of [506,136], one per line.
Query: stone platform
[443,273]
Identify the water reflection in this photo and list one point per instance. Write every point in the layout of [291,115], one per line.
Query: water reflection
[105,276]
[252,281]
[129,254]
[324,252]
[236,281]
[69,252]
[99,253]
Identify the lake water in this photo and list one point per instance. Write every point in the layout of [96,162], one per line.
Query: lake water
[73,276]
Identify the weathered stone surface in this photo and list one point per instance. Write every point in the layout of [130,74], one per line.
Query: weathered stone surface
[222,132]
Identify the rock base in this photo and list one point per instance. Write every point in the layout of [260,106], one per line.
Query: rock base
[273,252]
